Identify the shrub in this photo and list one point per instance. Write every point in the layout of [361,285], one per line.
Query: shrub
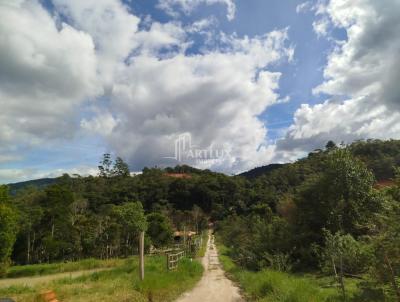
[357,256]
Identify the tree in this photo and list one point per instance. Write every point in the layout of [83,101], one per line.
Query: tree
[4,196]
[57,205]
[347,185]
[57,243]
[342,254]
[120,168]
[330,145]
[132,216]
[386,267]
[133,221]
[356,255]
[105,166]
[31,213]
[334,249]
[8,232]
[341,199]
[159,229]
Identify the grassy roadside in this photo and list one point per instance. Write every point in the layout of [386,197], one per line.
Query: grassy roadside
[119,284]
[273,286]
[202,251]
[61,267]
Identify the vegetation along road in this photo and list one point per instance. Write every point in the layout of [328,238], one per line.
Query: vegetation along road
[214,286]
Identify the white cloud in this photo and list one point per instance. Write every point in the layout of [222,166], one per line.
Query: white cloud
[9,157]
[50,69]
[303,7]
[16,175]
[46,72]
[110,25]
[364,70]
[103,123]
[161,37]
[148,90]
[215,96]
[321,26]
[172,7]
[202,26]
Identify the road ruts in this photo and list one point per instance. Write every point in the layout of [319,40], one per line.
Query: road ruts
[213,286]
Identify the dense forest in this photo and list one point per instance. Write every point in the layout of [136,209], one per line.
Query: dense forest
[335,212]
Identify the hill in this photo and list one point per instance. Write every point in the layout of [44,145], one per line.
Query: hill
[379,156]
[256,172]
[37,183]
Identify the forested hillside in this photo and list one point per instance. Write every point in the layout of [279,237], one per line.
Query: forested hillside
[324,215]
[36,183]
[379,156]
[259,171]
[320,214]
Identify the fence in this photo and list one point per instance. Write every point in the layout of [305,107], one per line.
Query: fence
[178,251]
[173,258]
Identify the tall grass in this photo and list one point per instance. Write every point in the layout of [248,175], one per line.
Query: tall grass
[274,286]
[120,284]
[61,267]
[202,251]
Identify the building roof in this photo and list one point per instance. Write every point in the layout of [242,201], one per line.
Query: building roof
[178,175]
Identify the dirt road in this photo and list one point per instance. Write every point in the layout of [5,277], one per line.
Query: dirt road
[32,281]
[214,286]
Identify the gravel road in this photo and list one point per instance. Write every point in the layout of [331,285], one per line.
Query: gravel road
[214,286]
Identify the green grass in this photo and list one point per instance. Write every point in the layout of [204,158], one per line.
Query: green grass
[274,286]
[119,284]
[61,267]
[202,251]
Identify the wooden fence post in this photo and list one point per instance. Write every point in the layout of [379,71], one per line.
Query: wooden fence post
[141,256]
[168,265]
[184,236]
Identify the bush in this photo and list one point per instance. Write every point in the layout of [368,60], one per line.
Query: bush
[257,243]
[357,256]
[159,229]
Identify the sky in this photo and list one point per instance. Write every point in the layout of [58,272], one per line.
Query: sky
[251,82]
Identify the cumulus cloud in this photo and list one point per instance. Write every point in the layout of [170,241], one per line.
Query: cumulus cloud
[215,96]
[363,71]
[46,72]
[173,7]
[109,24]
[159,92]
[142,87]
[145,89]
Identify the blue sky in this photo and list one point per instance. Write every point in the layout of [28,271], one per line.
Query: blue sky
[130,77]
[258,17]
